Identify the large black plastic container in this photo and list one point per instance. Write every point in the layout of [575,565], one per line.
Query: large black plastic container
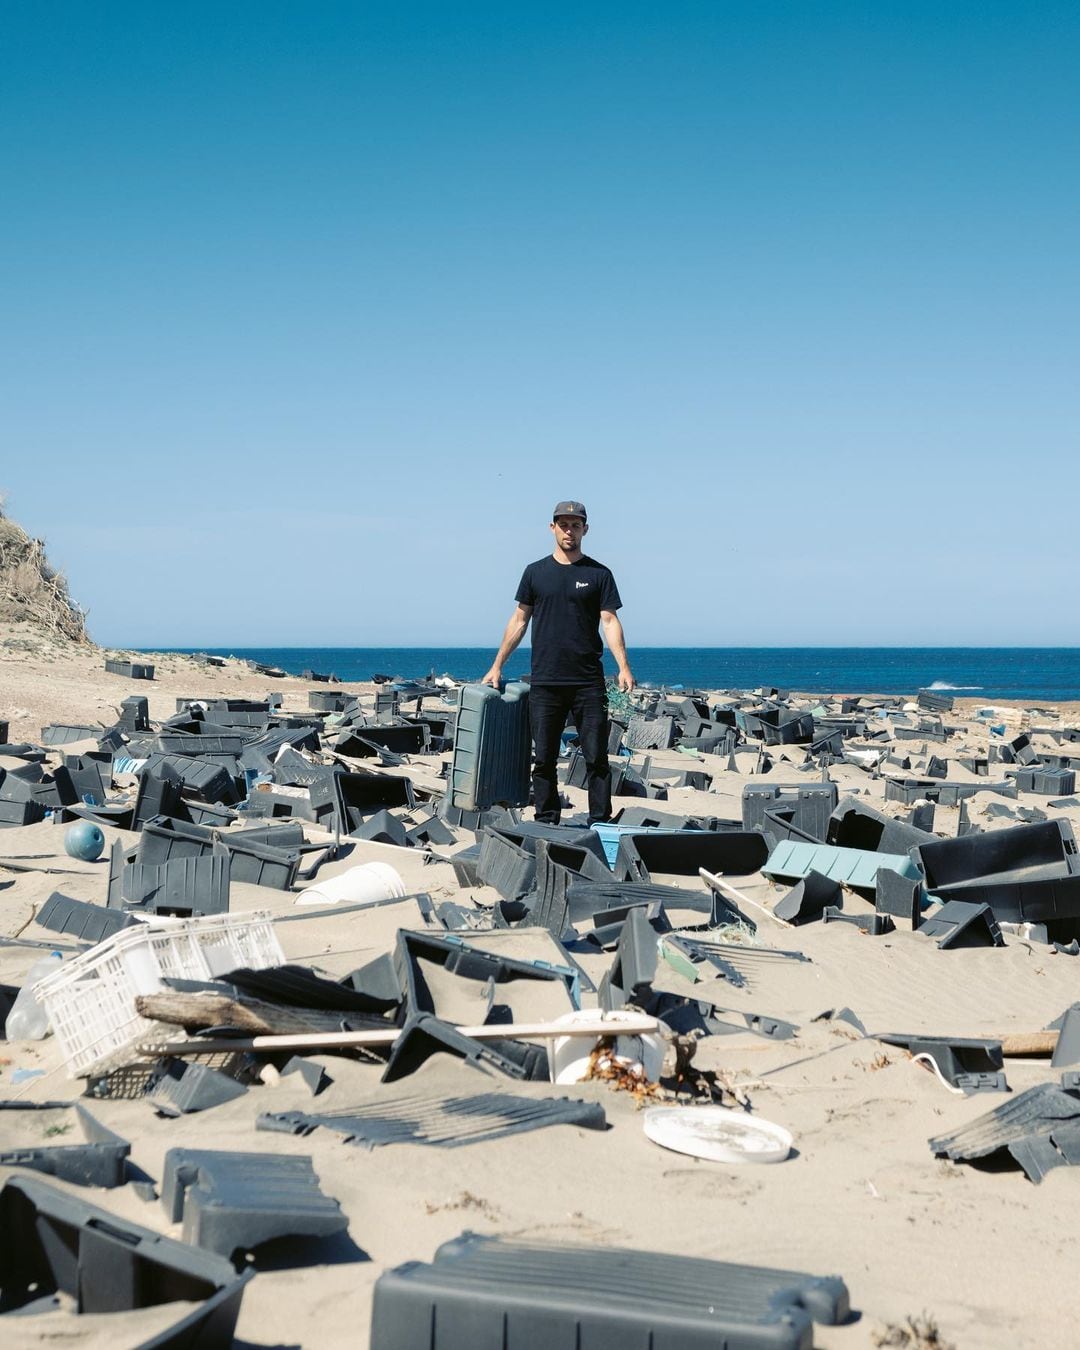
[682,852]
[486,1292]
[809,805]
[1028,873]
[107,1264]
[164,838]
[856,824]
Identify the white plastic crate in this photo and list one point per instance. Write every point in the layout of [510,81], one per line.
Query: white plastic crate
[91,1000]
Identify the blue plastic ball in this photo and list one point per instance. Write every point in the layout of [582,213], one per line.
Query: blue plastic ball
[84,840]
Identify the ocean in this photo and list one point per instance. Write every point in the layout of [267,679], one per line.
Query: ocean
[1037,674]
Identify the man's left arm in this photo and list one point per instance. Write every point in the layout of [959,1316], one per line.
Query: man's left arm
[616,641]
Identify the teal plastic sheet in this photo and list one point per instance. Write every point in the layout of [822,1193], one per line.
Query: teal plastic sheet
[792,859]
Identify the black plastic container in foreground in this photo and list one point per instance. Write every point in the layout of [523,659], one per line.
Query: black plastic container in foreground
[482,1291]
[109,1265]
[99,1160]
[682,852]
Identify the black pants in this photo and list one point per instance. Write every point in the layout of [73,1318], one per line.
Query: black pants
[548,707]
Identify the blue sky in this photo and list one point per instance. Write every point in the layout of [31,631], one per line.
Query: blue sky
[311,312]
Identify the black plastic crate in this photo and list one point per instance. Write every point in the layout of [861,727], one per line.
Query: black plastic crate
[134,670]
[104,1264]
[682,852]
[503,1295]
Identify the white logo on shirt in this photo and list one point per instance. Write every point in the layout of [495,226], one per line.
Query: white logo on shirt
[580,585]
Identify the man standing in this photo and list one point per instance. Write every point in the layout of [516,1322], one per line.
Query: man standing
[568,595]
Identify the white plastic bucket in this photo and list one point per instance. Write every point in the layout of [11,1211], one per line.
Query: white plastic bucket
[365,884]
[569,1056]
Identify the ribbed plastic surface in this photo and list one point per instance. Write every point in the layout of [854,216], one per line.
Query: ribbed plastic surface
[230,1200]
[444,1122]
[649,733]
[62,733]
[164,839]
[505,865]
[854,867]
[1028,1126]
[812,804]
[79,918]
[491,748]
[534,1296]
[181,886]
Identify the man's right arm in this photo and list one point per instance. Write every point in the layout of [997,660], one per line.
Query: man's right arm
[515,631]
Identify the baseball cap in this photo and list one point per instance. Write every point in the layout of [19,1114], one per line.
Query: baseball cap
[570,509]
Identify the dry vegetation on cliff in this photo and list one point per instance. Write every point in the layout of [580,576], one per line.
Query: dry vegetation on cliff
[32,591]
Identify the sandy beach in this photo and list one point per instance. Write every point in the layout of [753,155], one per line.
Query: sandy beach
[982,1255]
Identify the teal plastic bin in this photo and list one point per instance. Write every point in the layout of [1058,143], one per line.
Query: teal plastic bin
[492,748]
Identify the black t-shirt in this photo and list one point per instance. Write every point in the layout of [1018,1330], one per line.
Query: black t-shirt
[566,600]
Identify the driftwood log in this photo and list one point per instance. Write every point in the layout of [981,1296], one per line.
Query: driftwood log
[198,1012]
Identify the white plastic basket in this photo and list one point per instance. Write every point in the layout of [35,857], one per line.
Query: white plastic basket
[91,1000]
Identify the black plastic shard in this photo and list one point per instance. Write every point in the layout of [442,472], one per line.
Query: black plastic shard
[296,986]
[239,1200]
[382,828]
[1039,1129]
[57,733]
[954,1056]
[876,925]
[100,1159]
[898,896]
[528,1295]
[971,1083]
[159,794]
[107,1264]
[447,976]
[841,1015]
[424,1035]
[808,898]
[856,824]
[505,864]
[629,977]
[958,924]
[80,919]
[313,1075]
[181,1088]
[1067,1050]
[442,1122]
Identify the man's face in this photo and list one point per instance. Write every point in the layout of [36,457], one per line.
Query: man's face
[569,532]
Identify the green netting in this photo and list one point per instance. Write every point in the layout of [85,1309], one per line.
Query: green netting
[620,705]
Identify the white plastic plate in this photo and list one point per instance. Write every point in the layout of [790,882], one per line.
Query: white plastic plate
[717,1133]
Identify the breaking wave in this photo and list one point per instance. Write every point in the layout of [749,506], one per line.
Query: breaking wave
[944,684]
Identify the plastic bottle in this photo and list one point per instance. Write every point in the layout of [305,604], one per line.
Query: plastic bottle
[28,1020]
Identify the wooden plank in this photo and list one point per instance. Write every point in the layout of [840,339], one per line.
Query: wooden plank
[344,1040]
